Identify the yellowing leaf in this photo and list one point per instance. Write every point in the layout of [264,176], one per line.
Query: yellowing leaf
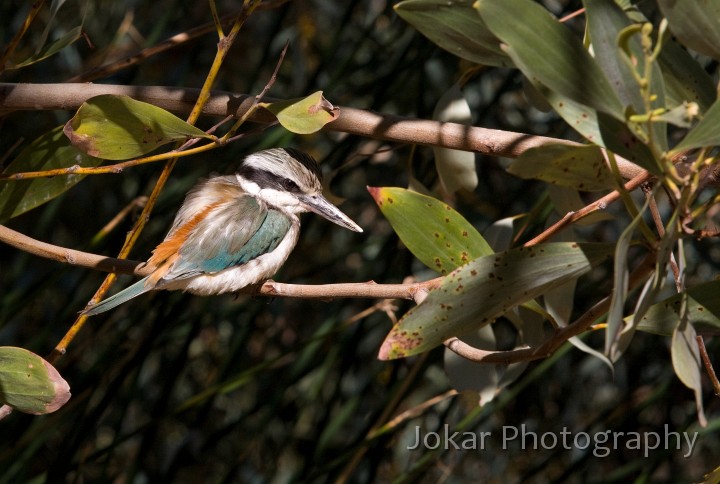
[305,115]
[119,128]
[435,233]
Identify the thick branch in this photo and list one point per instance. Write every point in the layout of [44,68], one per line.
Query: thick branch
[351,120]
[416,291]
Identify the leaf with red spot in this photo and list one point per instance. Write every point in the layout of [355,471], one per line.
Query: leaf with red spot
[475,294]
[435,233]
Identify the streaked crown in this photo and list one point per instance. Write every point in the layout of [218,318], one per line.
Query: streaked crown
[283,169]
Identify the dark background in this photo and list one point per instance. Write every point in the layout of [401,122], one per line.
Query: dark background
[172,387]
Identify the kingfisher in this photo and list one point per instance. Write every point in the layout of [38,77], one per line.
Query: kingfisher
[236,230]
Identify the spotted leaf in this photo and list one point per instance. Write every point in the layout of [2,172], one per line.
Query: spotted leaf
[475,294]
[435,233]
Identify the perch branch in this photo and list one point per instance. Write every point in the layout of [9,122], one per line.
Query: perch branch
[414,291]
[355,121]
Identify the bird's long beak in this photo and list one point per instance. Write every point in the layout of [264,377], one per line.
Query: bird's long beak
[320,205]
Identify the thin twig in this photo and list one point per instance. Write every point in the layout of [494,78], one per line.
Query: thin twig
[708,364]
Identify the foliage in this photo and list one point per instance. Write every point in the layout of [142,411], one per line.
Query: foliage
[175,387]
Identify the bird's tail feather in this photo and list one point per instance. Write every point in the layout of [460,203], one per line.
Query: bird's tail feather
[113,301]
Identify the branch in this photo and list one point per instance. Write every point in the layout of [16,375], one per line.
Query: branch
[414,291]
[70,96]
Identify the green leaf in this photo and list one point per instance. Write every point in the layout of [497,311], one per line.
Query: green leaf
[455,167]
[456,27]
[119,128]
[685,79]
[475,294]
[50,151]
[695,24]
[30,384]
[435,233]
[304,115]
[606,21]
[548,51]
[52,48]
[579,167]
[703,310]
[705,134]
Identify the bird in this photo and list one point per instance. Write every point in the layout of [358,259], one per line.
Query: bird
[237,230]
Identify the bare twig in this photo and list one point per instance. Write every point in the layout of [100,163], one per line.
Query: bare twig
[708,364]
[414,291]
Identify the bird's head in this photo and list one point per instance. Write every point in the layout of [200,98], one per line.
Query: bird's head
[290,181]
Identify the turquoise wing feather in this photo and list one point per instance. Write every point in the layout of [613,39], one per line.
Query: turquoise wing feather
[230,236]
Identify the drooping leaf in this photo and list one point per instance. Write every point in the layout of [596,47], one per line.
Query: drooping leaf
[30,384]
[52,48]
[455,167]
[50,151]
[548,51]
[454,26]
[685,356]
[703,310]
[579,167]
[568,200]
[119,128]
[695,24]
[475,294]
[304,115]
[705,134]
[435,233]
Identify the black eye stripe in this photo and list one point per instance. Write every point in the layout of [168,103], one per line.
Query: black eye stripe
[265,179]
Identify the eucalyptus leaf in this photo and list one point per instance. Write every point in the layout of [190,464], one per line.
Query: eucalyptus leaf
[467,375]
[548,51]
[702,308]
[695,24]
[118,128]
[456,27]
[606,22]
[579,167]
[685,79]
[51,49]
[50,151]
[455,167]
[435,233]
[304,115]
[30,384]
[475,294]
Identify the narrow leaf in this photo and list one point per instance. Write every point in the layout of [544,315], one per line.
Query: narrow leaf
[685,79]
[50,151]
[475,294]
[548,51]
[456,27]
[579,167]
[435,233]
[455,167]
[119,127]
[52,48]
[695,24]
[305,115]
[702,308]
[30,384]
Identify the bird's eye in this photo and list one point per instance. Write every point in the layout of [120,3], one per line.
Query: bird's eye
[290,185]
